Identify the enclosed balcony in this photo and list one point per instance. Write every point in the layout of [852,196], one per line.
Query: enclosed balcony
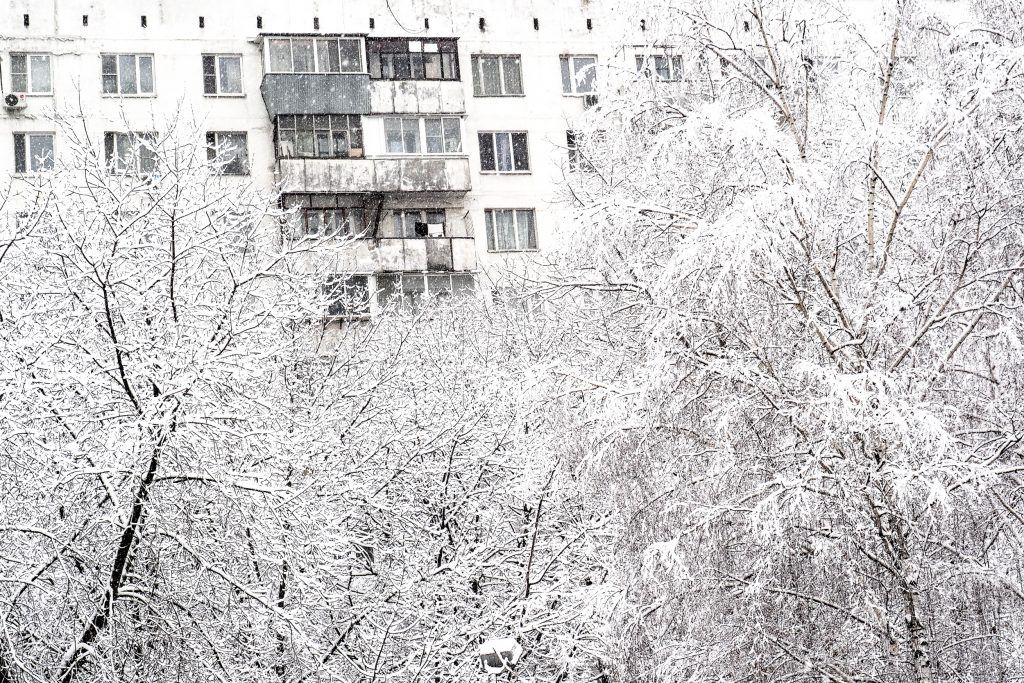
[305,74]
[412,254]
[389,174]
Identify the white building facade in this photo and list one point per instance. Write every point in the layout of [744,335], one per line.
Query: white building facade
[433,131]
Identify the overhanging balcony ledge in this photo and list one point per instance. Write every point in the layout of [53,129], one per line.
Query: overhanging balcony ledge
[383,174]
[316,93]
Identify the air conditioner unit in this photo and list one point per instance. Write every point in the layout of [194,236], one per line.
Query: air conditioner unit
[15,100]
[435,229]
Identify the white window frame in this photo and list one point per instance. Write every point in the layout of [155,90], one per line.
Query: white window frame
[29,90]
[421,135]
[512,151]
[413,297]
[478,75]
[214,150]
[26,142]
[491,236]
[138,74]
[646,66]
[217,57]
[135,139]
[574,74]
[267,68]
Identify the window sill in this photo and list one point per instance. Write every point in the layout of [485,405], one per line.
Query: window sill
[513,251]
[119,96]
[428,80]
[579,94]
[35,94]
[418,155]
[229,95]
[506,172]
[500,96]
[316,73]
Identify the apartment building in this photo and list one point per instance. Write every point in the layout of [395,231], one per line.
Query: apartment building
[432,131]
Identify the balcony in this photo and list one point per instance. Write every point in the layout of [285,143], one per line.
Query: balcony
[392,174]
[417,97]
[408,254]
[316,93]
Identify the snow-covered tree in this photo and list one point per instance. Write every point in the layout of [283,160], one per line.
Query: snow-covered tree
[201,480]
[800,271]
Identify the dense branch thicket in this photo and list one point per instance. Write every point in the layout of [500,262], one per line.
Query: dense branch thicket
[202,481]
[802,269]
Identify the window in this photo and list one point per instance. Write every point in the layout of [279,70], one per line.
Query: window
[33,152]
[441,135]
[222,75]
[662,67]
[417,223]
[314,55]
[349,296]
[127,74]
[504,152]
[578,74]
[510,229]
[30,73]
[130,152]
[403,59]
[331,136]
[230,150]
[496,75]
[578,160]
[408,289]
[324,214]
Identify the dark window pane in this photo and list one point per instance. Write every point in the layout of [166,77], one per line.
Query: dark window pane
[402,68]
[209,74]
[19,153]
[486,141]
[521,151]
[349,52]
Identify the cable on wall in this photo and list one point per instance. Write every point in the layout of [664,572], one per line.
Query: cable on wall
[399,21]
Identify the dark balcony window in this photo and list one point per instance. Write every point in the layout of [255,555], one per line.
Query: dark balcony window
[402,59]
[319,136]
[417,223]
[349,296]
[406,290]
[324,215]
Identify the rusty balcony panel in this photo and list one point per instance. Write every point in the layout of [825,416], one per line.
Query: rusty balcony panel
[316,93]
[417,97]
[409,254]
[391,174]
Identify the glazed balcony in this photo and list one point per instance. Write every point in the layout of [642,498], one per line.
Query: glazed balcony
[388,174]
[410,254]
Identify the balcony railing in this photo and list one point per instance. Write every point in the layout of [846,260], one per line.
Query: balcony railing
[391,174]
[317,93]
[417,97]
[409,254]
